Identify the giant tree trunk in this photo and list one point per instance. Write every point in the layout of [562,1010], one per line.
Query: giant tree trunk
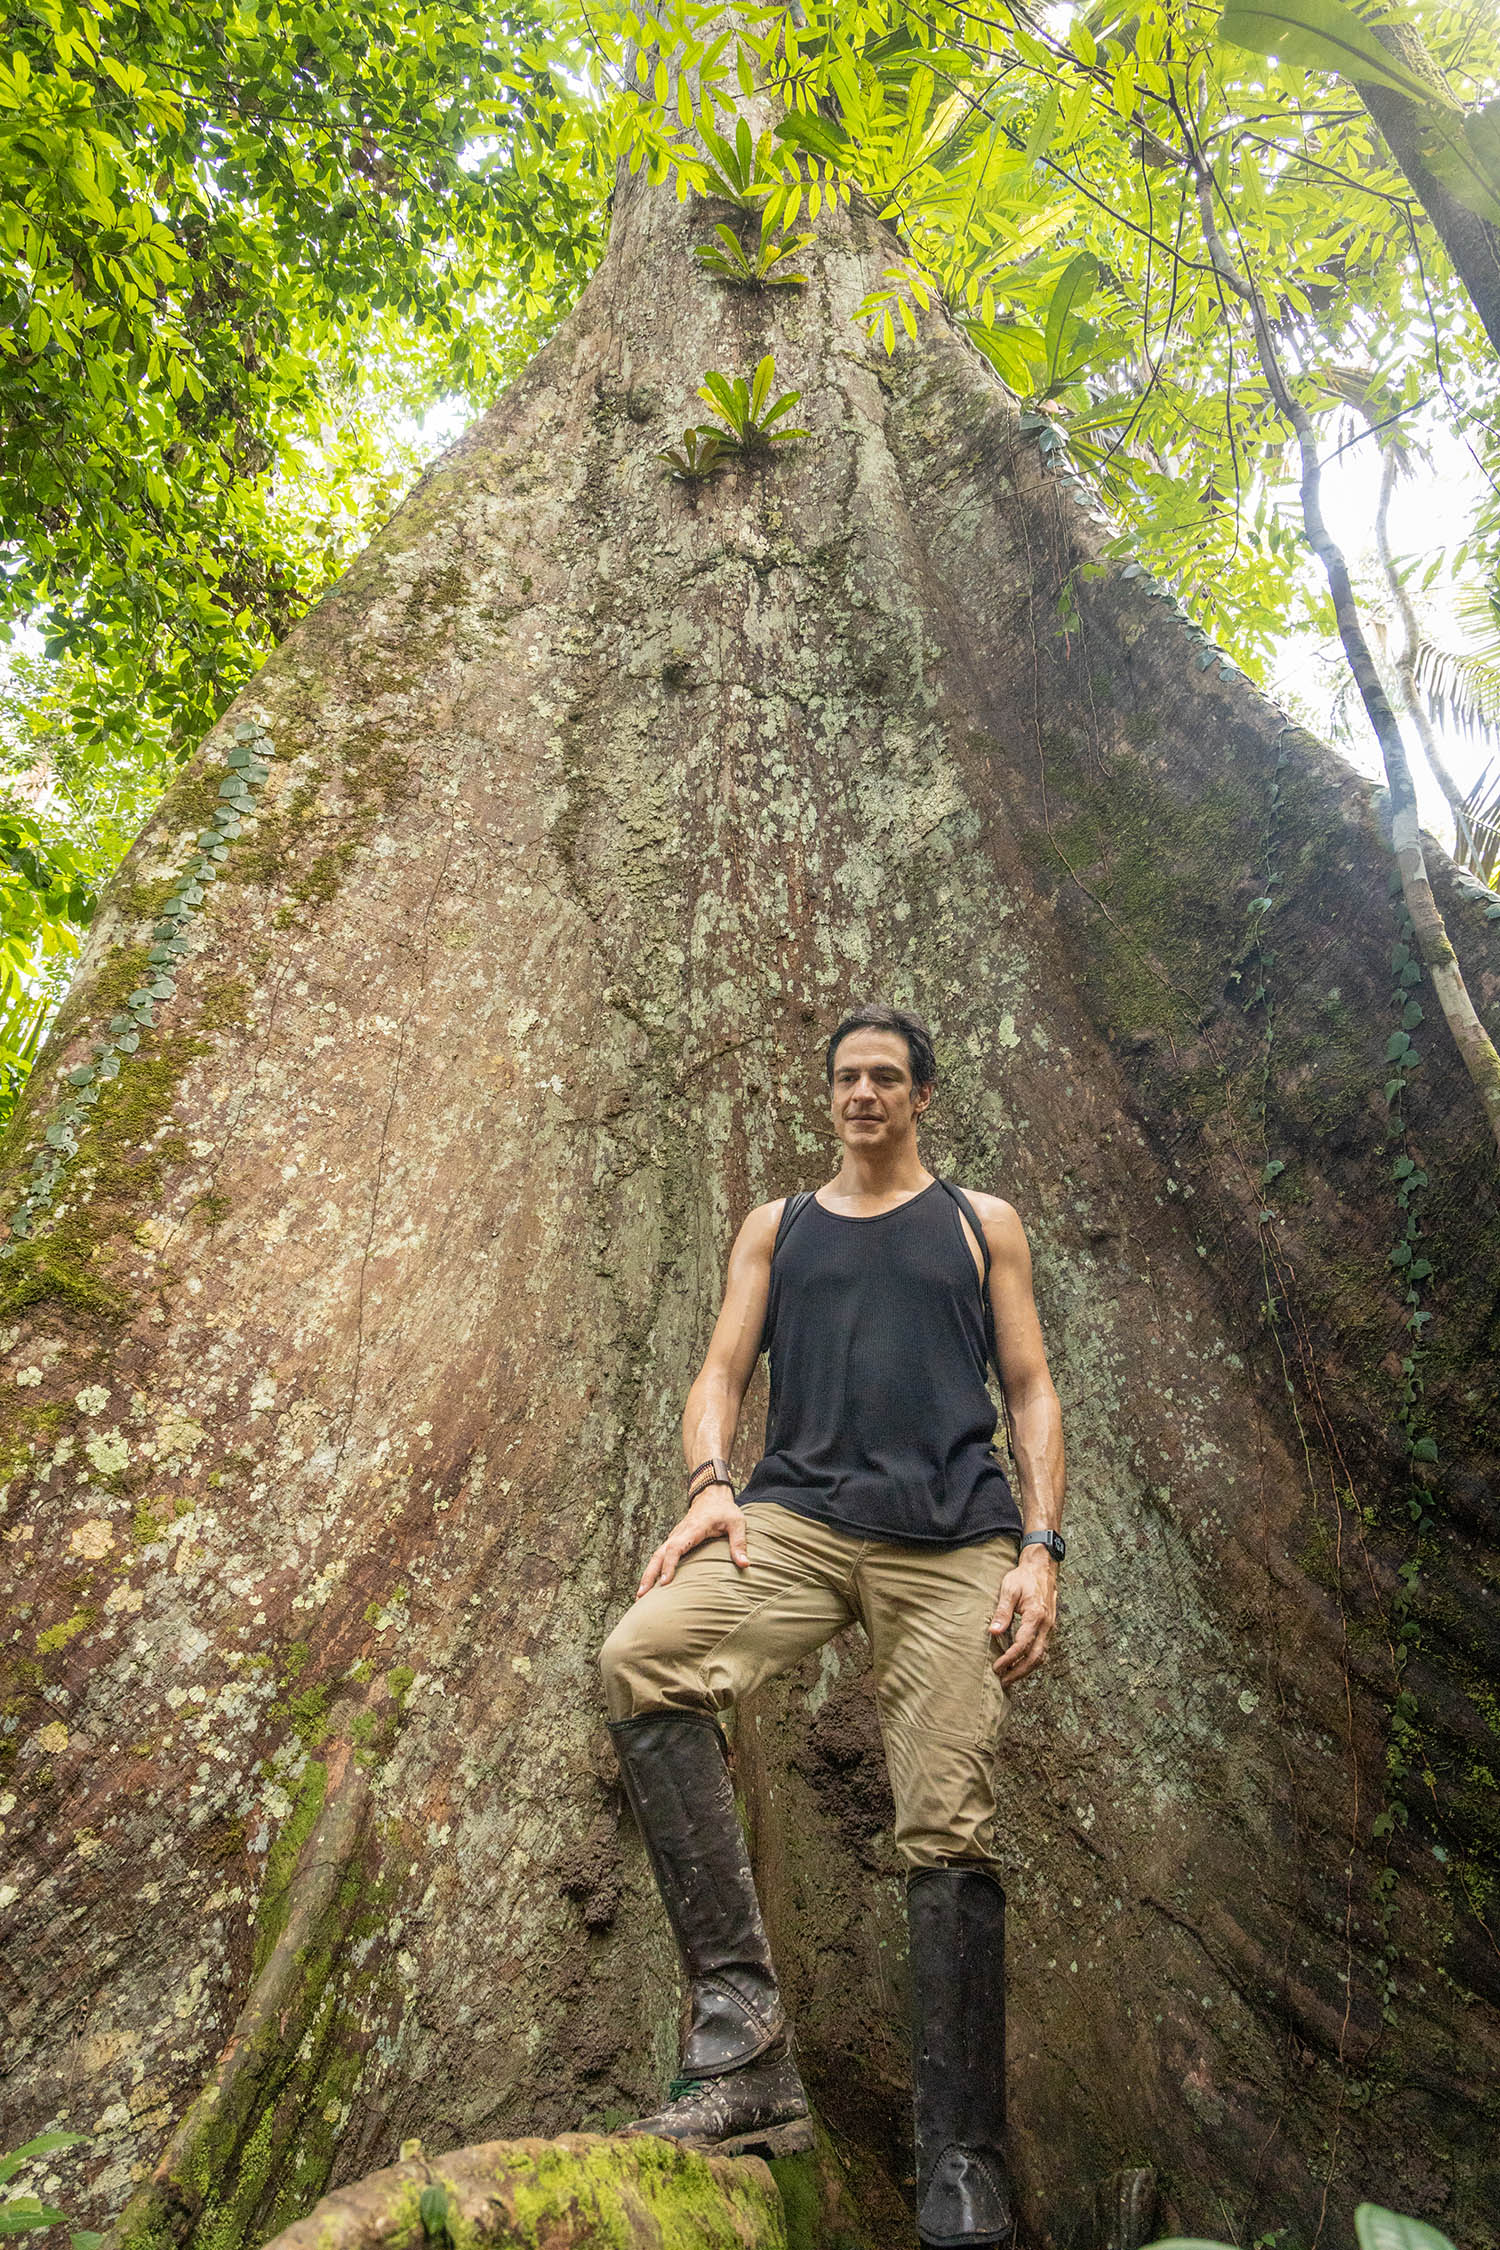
[344,1374]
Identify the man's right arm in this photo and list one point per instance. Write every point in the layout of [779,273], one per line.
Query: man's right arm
[712,1415]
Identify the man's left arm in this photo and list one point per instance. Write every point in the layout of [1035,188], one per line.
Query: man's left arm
[1027,1607]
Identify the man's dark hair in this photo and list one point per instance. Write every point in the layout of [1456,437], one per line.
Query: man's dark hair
[876,1016]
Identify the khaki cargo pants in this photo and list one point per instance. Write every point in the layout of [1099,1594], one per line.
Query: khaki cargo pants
[718,1632]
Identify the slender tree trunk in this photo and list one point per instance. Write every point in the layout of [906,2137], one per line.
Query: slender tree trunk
[1405,664]
[1471,241]
[345,1348]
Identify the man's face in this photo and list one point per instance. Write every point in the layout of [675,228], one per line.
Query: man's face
[873,1099]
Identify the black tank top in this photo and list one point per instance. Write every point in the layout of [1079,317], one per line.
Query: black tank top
[879,1419]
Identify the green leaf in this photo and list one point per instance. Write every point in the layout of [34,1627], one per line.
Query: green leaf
[42,2145]
[1464,153]
[1320,35]
[760,388]
[1425,1449]
[819,136]
[23,2214]
[1187,2242]
[1073,290]
[1039,139]
[1375,2226]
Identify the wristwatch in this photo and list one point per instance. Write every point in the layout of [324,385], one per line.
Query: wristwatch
[1053,1541]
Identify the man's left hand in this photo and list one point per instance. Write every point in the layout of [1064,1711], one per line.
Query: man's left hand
[1028,1602]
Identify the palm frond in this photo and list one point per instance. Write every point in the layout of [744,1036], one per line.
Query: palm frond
[1462,692]
[1482,806]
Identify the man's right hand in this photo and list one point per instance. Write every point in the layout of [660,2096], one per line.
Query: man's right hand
[713,1515]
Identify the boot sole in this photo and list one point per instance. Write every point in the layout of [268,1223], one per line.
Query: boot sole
[792,2139]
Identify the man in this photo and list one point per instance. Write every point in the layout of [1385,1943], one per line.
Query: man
[878,1498]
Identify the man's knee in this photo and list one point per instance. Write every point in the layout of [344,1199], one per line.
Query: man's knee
[643,1671]
[945,1801]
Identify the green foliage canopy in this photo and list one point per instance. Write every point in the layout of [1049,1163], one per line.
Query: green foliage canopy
[210,215]
[1042,173]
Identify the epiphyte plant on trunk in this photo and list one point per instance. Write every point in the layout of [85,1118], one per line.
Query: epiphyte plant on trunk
[747,414]
[728,259]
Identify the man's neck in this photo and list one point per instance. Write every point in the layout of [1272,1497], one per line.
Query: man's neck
[881,1175]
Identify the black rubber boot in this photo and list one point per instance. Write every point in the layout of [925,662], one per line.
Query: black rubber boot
[760,2110]
[678,1785]
[956,1917]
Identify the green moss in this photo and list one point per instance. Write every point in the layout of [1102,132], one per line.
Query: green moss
[399,1680]
[193,798]
[21,1679]
[143,901]
[608,2181]
[225,1005]
[150,1518]
[305,848]
[279,835]
[27,1428]
[222,2224]
[1164,882]
[113,1175]
[796,2179]
[281,1862]
[151,2229]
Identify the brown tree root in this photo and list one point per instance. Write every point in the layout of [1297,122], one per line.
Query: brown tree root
[313,1912]
[579,2192]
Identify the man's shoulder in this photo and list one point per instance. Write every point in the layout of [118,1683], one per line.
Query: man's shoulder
[758,1230]
[1000,1220]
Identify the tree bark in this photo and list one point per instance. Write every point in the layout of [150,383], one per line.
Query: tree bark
[1471,241]
[343,1361]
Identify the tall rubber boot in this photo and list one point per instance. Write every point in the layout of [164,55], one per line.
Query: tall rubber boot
[739,2090]
[956,1918]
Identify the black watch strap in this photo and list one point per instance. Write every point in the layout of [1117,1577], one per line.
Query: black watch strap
[1053,1541]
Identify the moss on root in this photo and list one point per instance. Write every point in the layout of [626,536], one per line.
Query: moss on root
[281,1861]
